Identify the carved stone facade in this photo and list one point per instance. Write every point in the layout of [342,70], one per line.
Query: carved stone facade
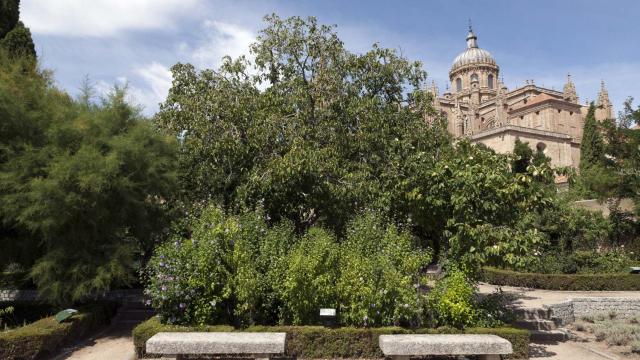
[480,107]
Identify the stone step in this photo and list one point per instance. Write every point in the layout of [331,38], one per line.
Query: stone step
[536,324]
[532,313]
[549,335]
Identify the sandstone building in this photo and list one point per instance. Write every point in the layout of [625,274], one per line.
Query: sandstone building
[480,107]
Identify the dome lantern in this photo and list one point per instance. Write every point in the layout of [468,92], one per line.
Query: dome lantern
[473,55]
[472,39]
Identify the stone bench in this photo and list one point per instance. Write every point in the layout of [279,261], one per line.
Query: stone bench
[174,345]
[403,347]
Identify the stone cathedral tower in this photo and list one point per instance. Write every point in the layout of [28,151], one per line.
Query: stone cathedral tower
[483,109]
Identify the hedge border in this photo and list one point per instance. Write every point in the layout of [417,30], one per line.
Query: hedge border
[316,342]
[42,338]
[573,282]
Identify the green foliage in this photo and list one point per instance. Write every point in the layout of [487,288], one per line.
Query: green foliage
[592,145]
[379,268]
[314,342]
[494,310]
[315,134]
[241,254]
[573,282]
[451,302]
[86,183]
[584,262]
[18,42]
[568,228]
[485,207]
[43,338]
[265,275]
[523,154]
[9,15]
[333,133]
[309,278]
[15,38]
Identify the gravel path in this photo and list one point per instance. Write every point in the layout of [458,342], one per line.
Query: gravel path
[114,343]
[566,351]
[534,298]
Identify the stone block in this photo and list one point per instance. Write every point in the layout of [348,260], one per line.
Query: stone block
[217,343]
[463,344]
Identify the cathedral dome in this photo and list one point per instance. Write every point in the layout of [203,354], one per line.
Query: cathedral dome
[473,54]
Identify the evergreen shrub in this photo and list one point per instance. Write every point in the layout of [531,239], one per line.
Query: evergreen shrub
[574,282]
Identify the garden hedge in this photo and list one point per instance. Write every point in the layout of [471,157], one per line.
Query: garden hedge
[589,282]
[40,339]
[323,343]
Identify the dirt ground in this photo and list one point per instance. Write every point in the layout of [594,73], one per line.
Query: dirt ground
[535,298]
[115,343]
[568,350]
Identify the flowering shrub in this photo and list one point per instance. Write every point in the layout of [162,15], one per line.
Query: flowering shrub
[237,270]
[221,273]
[379,267]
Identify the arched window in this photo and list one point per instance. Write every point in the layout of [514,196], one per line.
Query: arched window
[474,77]
[541,147]
[490,81]
[458,84]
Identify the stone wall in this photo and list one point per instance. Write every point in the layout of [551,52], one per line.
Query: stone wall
[568,311]
[563,312]
[624,308]
[18,295]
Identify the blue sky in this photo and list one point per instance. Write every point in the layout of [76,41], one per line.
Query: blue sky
[137,41]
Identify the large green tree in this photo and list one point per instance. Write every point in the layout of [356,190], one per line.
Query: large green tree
[331,132]
[87,181]
[316,134]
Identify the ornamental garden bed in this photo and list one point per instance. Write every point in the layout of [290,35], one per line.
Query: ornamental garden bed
[316,342]
[571,282]
[40,339]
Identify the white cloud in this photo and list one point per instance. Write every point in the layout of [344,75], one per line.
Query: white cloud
[158,78]
[221,39]
[101,18]
[152,90]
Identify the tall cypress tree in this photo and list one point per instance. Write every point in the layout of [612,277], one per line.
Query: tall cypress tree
[15,38]
[592,147]
[9,14]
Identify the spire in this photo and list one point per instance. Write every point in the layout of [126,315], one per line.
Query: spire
[472,39]
[604,103]
[603,96]
[434,89]
[569,91]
